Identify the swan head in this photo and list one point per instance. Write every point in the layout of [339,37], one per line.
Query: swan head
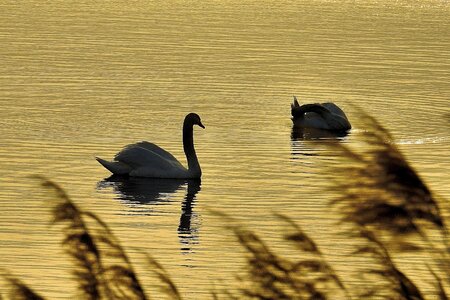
[194,119]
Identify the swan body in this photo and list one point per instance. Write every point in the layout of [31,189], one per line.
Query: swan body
[326,116]
[145,159]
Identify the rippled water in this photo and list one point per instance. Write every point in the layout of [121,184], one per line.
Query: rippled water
[81,80]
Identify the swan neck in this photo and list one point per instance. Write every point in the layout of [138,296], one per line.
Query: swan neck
[189,150]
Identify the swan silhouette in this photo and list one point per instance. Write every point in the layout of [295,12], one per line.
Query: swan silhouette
[326,116]
[146,159]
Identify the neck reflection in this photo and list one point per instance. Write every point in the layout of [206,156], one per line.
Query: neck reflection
[189,221]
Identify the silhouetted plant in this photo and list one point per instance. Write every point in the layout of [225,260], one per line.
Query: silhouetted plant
[398,286]
[102,268]
[168,287]
[439,285]
[271,276]
[382,194]
[18,290]
[101,274]
[379,188]
[78,243]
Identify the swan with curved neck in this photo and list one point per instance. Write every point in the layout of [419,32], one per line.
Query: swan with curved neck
[146,159]
[327,116]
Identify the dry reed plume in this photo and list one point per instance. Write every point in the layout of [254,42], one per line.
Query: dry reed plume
[385,199]
[101,266]
[380,189]
[271,276]
[19,290]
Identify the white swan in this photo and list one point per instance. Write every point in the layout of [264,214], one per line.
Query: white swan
[146,159]
[326,116]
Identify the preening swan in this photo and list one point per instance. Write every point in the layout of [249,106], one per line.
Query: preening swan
[146,159]
[326,116]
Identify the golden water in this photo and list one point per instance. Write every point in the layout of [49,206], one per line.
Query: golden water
[83,79]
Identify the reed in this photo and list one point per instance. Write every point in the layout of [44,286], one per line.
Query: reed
[101,266]
[101,274]
[168,287]
[18,289]
[381,193]
[271,276]
[396,284]
[380,188]
[439,285]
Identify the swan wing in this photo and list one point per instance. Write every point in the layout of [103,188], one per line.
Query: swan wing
[156,149]
[338,119]
[312,109]
[334,109]
[147,155]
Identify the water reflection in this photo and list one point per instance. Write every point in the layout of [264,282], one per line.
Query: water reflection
[138,190]
[138,193]
[304,141]
[300,133]
[189,220]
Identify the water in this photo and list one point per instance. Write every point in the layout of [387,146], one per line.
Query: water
[81,80]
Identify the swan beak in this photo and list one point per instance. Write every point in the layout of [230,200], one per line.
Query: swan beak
[201,125]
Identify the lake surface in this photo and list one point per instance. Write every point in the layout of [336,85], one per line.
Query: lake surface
[79,80]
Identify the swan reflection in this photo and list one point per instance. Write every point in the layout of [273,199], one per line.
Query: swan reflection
[187,232]
[307,141]
[139,192]
[301,133]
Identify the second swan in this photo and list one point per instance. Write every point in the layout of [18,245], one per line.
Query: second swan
[327,116]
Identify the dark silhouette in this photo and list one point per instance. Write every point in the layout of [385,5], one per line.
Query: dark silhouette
[302,133]
[187,233]
[327,116]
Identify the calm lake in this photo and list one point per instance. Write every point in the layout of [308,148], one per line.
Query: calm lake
[83,79]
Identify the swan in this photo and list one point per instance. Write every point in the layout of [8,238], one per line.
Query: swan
[326,116]
[144,159]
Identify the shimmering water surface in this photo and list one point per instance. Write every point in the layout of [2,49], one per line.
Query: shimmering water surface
[83,79]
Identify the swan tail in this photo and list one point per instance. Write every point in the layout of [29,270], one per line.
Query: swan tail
[115,167]
[295,109]
[295,103]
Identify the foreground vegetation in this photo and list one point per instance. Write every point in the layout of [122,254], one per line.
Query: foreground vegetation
[383,201]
